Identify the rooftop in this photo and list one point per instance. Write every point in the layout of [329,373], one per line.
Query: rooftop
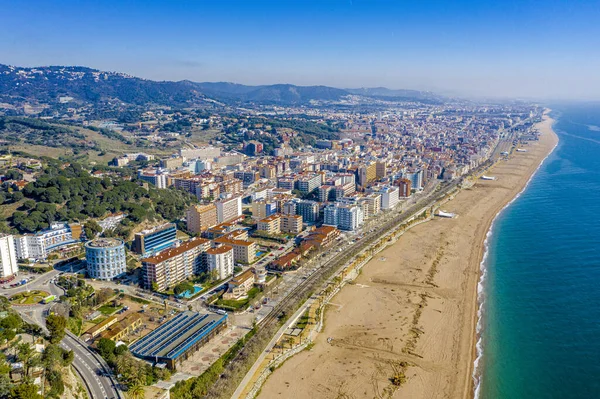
[219,250]
[104,243]
[186,246]
[175,337]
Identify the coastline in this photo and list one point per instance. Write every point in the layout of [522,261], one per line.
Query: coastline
[417,302]
[546,127]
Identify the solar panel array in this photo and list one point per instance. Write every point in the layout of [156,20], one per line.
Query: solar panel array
[176,336]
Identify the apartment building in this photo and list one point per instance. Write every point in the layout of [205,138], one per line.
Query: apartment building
[8,256]
[201,217]
[263,208]
[389,197]
[291,224]
[243,251]
[172,266]
[219,261]
[270,225]
[38,245]
[228,209]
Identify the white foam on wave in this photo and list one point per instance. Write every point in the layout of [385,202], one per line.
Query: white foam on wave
[477,373]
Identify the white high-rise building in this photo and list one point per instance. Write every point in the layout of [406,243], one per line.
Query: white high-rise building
[8,256]
[390,196]
[228,209]
[219,260]
[345,217]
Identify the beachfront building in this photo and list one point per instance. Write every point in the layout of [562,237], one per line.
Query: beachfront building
[345,217]
[172,266]
[219,261]
[39,245]
[154,240]
[105,258]
[389,197]
[8,256]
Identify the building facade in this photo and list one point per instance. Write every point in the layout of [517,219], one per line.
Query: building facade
[201,217]
[219,261]
[154,240]
[105,258]
[170,267]
[37,246]
[229,209]
[8,256]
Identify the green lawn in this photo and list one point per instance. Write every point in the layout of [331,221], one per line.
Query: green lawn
[74,325]
[109,310]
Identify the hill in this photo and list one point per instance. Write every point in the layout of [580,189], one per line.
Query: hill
[56,85]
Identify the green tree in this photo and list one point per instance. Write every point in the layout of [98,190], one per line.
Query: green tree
[106,347]
[25,390]
[56,325]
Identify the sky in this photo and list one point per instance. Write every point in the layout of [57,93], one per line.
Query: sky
[514,48]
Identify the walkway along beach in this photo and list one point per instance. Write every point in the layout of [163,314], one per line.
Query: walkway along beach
[413,309]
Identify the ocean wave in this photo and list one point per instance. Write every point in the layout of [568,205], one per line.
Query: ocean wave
[477,372]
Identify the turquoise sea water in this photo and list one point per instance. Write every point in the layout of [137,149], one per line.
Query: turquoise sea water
[541,310]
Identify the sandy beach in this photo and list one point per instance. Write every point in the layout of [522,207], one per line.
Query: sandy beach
[414,306]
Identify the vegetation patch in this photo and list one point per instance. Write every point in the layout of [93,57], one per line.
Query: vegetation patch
[29,298]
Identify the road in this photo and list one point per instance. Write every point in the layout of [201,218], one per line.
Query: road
[92,369]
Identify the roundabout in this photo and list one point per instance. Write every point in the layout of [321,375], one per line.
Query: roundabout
[32,297]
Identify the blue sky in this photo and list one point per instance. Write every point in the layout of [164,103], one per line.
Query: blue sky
[499,48]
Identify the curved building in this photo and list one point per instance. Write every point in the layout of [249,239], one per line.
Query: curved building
[105,258]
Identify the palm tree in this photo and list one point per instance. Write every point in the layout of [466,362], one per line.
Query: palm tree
[135,391]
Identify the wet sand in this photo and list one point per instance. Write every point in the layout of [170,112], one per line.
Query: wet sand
[414,306]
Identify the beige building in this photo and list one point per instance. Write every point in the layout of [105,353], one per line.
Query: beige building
[239,286]
[171,163]
[270,225]
[201,217]
[291,224]
[373,204]
[243,251]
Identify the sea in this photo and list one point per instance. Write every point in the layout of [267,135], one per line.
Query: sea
[540,296]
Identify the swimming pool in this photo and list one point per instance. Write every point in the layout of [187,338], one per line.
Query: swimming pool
[188,294]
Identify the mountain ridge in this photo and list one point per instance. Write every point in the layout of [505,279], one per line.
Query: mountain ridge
[46,84]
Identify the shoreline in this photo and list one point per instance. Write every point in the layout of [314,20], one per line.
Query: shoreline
[416,302]
[478,350]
